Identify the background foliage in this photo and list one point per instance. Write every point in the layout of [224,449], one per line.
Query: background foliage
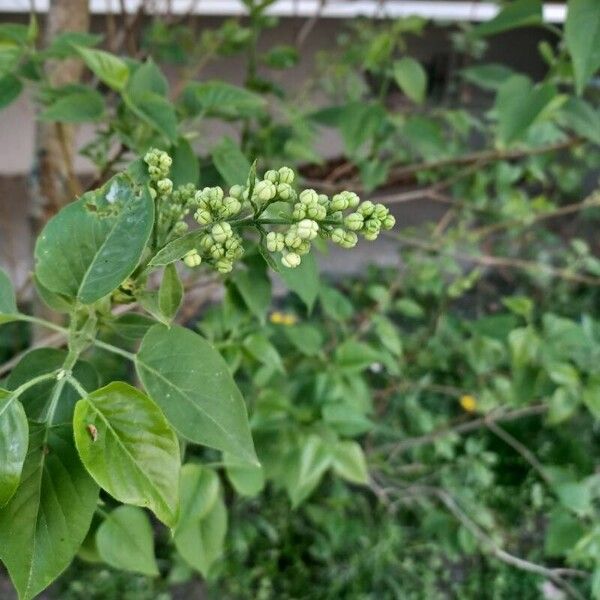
[427,431]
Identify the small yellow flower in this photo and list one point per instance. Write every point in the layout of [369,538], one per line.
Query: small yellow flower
[279,318]
[468,403]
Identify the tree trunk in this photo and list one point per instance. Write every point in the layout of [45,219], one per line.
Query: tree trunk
[54,182]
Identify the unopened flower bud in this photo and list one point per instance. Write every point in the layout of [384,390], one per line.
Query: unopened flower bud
[221,232]
[272,176]
[224,265]
[350,240]
[389,222]
[299,212]
[286,175]
[372,225]
[290,260]
[366,208]
[309,197]
[164,186]
[354,221]
[203,216]
[275,241]
[380,211]
[316,212]
[307,229]
[265,190]
[236,191]
[180,227]
[337,235]
[338,202]
[303,248]
[286,192]
[192,259]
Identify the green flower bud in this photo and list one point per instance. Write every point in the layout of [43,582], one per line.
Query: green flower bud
[264,191]
[217,251]
[203,216]
[164,186]
[286,192]
[389,222]
[153,193]
[366,208]
[303,248]
[323,200]
[237,192]
[207,242]
[316,212]
[354,221]
[309,197]
[272,176]
[192,259]
[350,240]
[371,235]
[338,202]
[380,211]
[180,227]
[231,206]
[290,260]
[299,212]
[165,160]
[353,199]
[221,232]
[292,239]
[286,175]
[224,265]
[372,225]
[234,248]
[275,241]
[307,229]
[338,235]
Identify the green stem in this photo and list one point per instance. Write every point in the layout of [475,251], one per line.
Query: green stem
[77,386]
[114,349]
[24,387]
[40,322]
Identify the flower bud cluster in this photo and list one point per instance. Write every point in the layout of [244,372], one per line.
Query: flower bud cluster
[308,215]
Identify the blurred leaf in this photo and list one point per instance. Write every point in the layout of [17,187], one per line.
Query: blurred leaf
[303,280]
[78,107]
[231,163]
[110,69]
[520,13]
[125,541]
[10,89]
[411,77]
[582,36]
[348,461]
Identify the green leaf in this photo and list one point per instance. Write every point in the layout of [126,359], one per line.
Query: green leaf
[77,107]
[125,541]
[520,13]
[185,167]
[177,249]
[157,112]
[128,447]
[8,301]
[254,287]
[170,293]
[303,280]
[14,435]
[348,461]
[56,302]
[10,89]
[220,99]
[582,36]
[147,78]
[519,104]
[92,245]
[591,395]
[231,163]
[281,57]
[132,326]
[335,304]
[583,118]
[200,533]
[247,479]
[488,77]
[47,519]
[358,123]
[304,469]
[308,339]
[190,380]
[37,398]
[388,334]
[355,356]
[263,351]
[411,77]
[109,68]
